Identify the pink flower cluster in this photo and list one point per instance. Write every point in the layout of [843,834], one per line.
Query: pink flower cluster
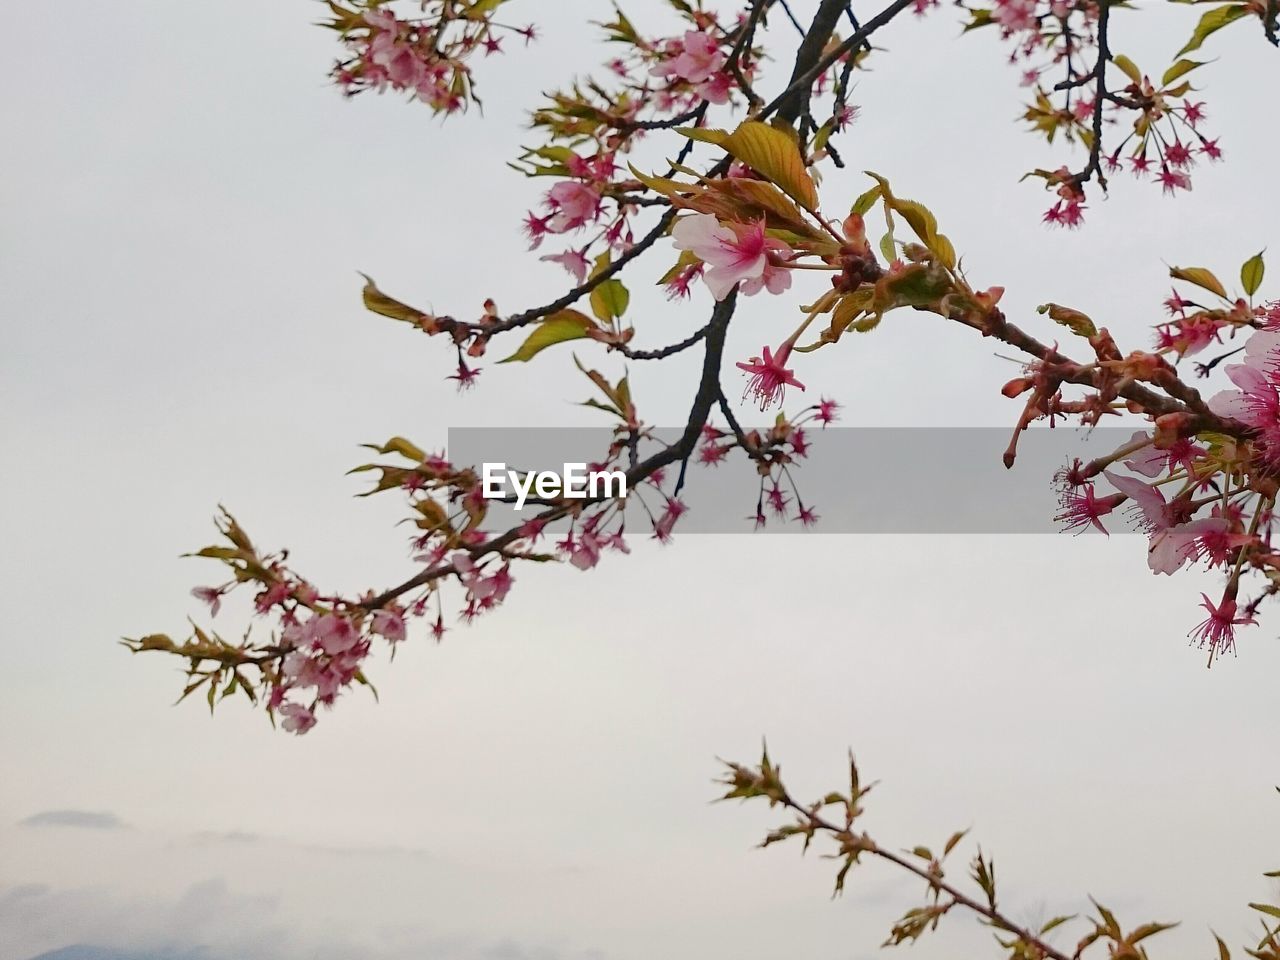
[327,652]
[1199,503]
[424,57]
[697,59]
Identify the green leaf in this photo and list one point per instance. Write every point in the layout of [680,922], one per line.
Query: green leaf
[1201,278]
[921,220]
[609,300]
[400,445]
[557,328]
[378,302]
[1268,909]
[887,248]
[1128,67]
[914,286]
[866,201]
[1179,69]
[1251,274]
[1213,21]
[705,134]
[770,152]
[1075,321]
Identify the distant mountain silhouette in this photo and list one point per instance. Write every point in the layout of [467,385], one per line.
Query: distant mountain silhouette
[85,952]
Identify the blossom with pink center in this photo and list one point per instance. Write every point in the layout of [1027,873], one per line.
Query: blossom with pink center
[711,454]
[716,88]
[1065,213]
[1147,498]
[799,442]
[777,499]
[1255,404]
[1177,154]
[1173,545]
[770,376]
[1193,113]
[666,523]
[389,624]
[827,412]
[694,58]
[736,254]
[1016,15]
[574,261]
[297,718]
[331,633]
[574,204]
[584,551]
[1151,461]
[382,20]
[535,228]
[1189,335]
[466,376]
[678,285]
[1218,629]
[1173,180]
[210,595]
[1082,509]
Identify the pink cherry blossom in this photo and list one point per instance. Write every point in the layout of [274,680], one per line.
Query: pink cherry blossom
[1082,508]
[770,376]
[574,204]
[694,58]
[736,254]
[297,718]
[210,595]
[1218,629]
[574,261]
[389,624]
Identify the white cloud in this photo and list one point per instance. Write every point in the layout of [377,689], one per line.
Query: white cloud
[83,819]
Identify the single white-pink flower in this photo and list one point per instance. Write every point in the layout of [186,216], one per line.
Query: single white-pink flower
[736,254]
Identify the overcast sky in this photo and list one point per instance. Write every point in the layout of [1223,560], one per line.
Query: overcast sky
[184,208]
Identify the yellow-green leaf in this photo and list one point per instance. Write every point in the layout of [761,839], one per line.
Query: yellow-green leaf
[775,155]
[609,300]
[1213,21]
[1200,277]
[887,249]
[1251,274]
[866,201]
[1128,67]
[557,328]
[1179,69]
[1075,321]
[378,302]
[943,250]
[705,134]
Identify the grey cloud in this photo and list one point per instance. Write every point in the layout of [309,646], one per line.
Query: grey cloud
[84,819]
[210,922]
[249,837]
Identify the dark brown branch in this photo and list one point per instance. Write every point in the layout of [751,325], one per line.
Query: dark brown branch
[795,100]
[1094,167]
[867,845]
[663,352]
[682,449]
[805,80]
